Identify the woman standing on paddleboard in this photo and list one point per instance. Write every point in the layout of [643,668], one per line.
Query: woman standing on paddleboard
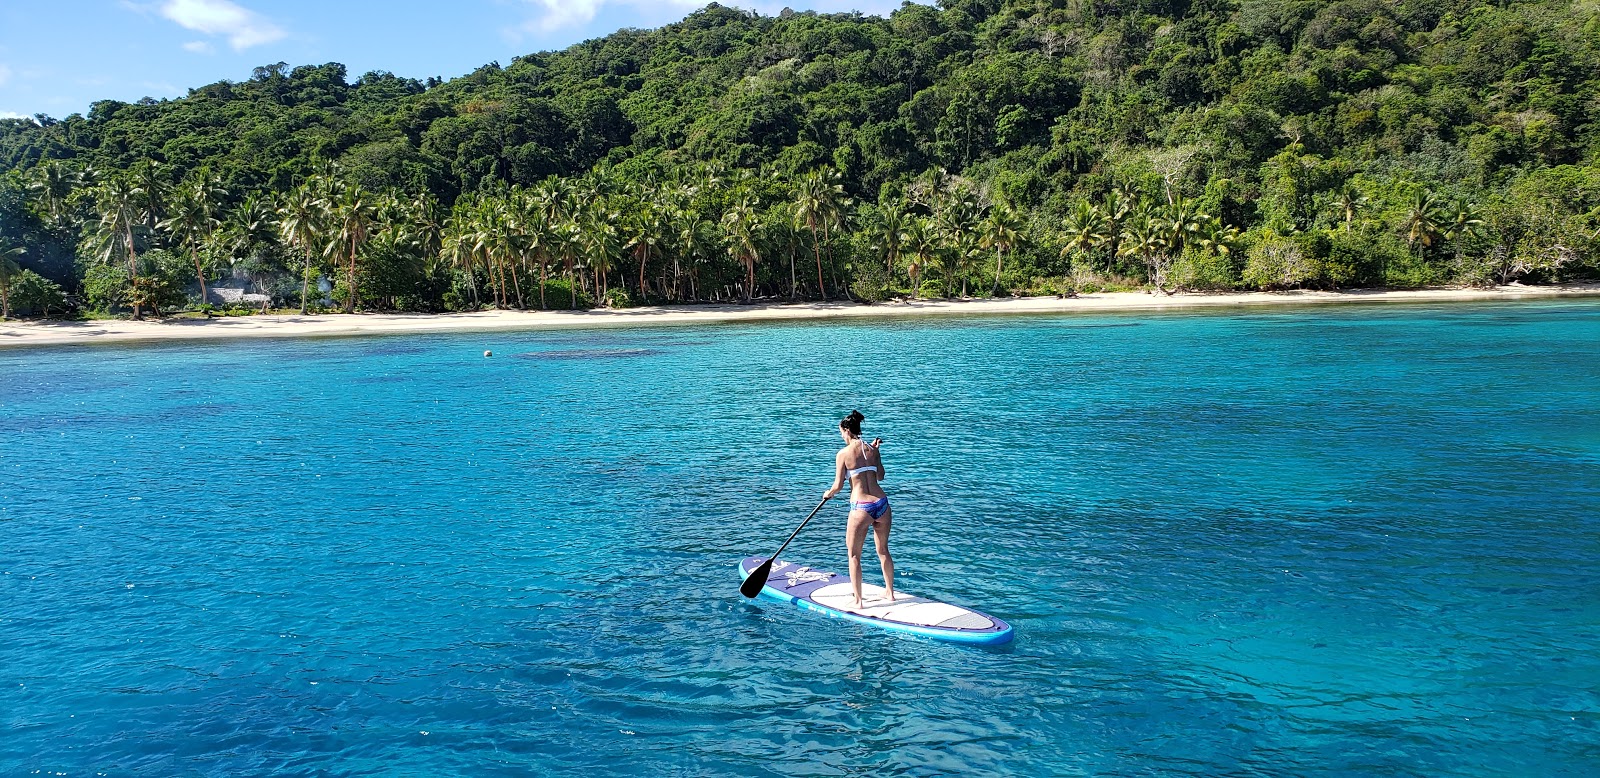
[860,462]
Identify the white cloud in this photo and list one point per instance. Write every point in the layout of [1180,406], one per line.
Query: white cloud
[242,27]
[574,13]
[5,76]
[559,14]
[199,47]
[10,115]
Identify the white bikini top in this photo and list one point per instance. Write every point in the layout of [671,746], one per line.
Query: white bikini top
[851,473]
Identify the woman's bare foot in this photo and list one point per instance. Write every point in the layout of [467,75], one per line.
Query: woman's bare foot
[856,605]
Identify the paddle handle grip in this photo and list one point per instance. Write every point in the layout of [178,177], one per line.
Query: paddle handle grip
[797,529]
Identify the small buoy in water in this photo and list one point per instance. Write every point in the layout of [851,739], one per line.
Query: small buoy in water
[488,353]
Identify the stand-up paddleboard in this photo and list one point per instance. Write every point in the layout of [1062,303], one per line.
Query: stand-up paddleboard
[830,594]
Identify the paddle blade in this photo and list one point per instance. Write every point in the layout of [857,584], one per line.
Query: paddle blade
[757,579]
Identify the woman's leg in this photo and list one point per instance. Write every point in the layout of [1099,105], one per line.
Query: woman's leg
[855,536]
[880,534]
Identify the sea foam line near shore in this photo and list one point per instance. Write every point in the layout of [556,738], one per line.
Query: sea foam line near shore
[52,333]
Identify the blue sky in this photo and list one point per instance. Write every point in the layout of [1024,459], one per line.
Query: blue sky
[58,56]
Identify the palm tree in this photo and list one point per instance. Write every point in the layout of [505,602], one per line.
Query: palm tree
[118,203]
[922,241]
[1087,229]
[838,218]
[1215,237]
[1460,221]
[1422,221]
[1142,238]
[533,236]
[1002,233]
[194,220]
[53,184]
[600,243]
[246,228]
[1116,209]
[491,241]
[456,244]
[7,267]
[816,205]
[1348,203]
[958,220]
[423,214]
[739,227]
[351,220]
[302,219]
[644,229]
[891,233]
[1181,221]
[152,190]
[567,240]
[692,239]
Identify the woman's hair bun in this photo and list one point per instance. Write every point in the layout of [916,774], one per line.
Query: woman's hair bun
[853,423]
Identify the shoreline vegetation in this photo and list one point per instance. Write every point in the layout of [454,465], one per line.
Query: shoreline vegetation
[291,325]
[978,148]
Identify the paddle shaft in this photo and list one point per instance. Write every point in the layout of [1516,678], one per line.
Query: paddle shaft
[797,529]
[758,577]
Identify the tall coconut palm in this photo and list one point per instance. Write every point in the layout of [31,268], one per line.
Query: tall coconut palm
[921,247]
[1461,221]
[958,219]
[644,228]
[491,242]
[245,230]
[739,227]
[1002,231]
[1181,222]
[1087,229]
[7,268]
[1117,207]
[1142,238]
[837,220]
[424,215]
[1422,222]
[118,201]
[351,221]
[600,243]
[567,242]
[1348,203]
[693,235]
[53,184]
[816,203]
[890,238]
[148,176]
[1216,237]
[193,220]
[456,244]
[534,237]
[302,220]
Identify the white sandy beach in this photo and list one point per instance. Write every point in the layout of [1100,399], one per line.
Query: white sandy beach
[35,333]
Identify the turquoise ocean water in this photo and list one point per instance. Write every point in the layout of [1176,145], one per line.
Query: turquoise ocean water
[1342,541]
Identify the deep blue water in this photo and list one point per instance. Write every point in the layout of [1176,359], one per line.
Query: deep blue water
[1332,541]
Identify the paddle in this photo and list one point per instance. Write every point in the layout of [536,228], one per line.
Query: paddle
[758,577]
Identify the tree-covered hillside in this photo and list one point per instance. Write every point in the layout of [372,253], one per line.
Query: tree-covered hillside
[981,144]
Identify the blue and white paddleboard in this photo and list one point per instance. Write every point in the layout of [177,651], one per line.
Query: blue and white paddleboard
[830,594]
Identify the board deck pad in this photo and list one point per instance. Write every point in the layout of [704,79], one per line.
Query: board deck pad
[830,593]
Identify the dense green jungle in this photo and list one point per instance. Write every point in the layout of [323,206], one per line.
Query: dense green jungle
[972,148]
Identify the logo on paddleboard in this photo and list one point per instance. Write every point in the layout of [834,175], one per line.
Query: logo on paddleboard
[806,575]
